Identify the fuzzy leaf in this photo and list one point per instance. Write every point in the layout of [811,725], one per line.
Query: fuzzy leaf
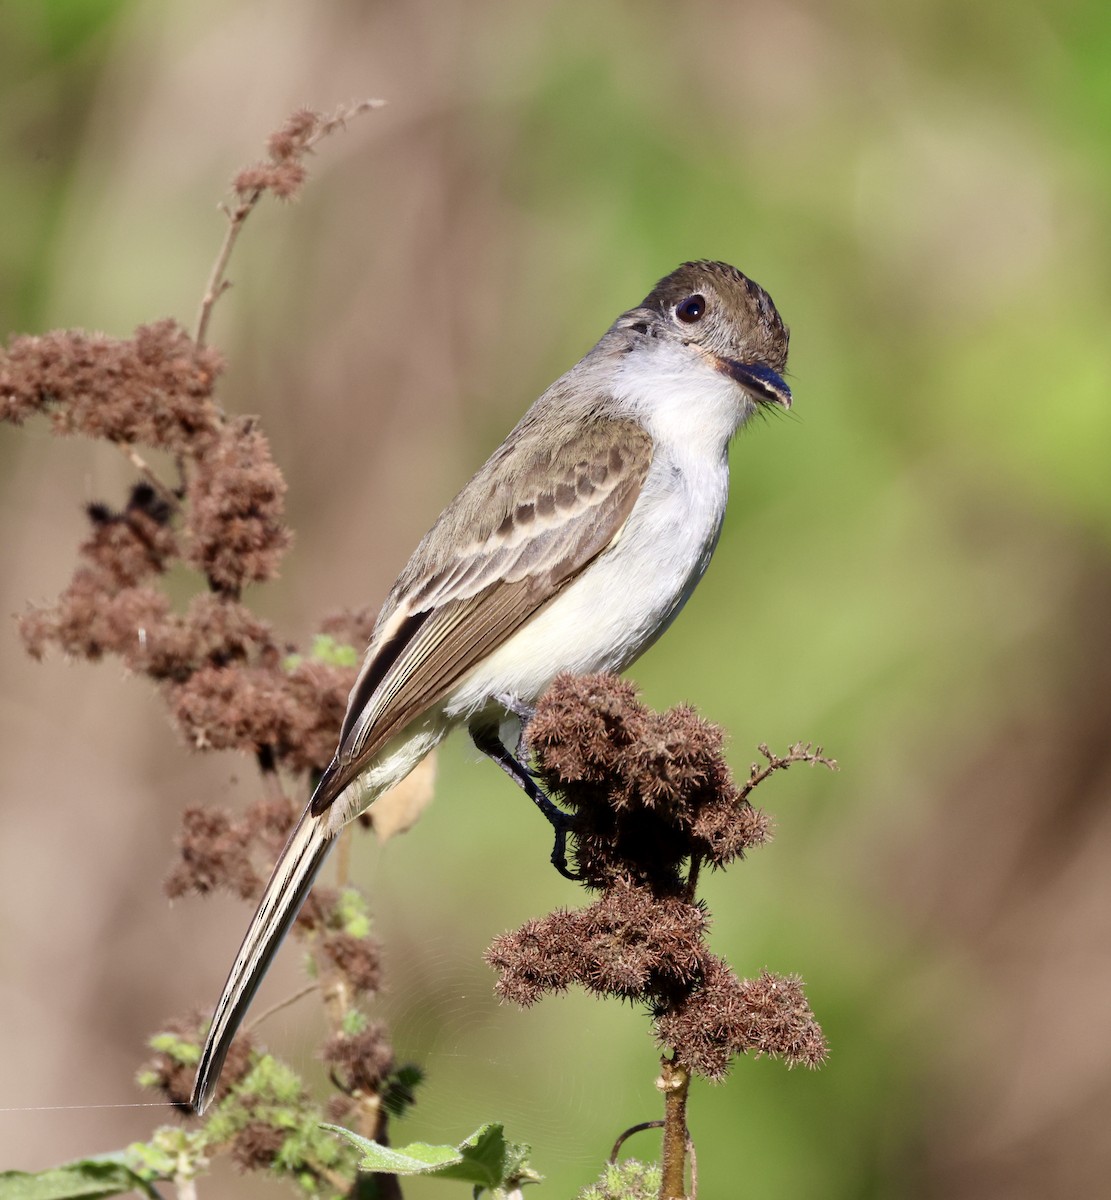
[89,1179]
[485,1159]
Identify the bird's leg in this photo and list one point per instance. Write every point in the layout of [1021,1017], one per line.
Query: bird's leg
[524,713]
[488,741]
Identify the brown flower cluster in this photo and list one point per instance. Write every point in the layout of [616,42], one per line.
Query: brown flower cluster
[627,944]
[650,792]
[725,1016]
[289,718]
[226,681]
[217,851]
[360,1062]
[107,608]
[152,389]
[257,1145]
[356,959]
[235,502]
[284,172]
[371,1087]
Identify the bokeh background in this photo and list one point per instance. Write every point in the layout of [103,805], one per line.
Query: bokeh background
[915,570]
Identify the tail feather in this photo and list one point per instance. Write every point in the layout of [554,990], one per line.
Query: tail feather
[304,852]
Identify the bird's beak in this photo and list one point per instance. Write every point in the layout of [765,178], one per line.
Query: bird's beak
[762,383]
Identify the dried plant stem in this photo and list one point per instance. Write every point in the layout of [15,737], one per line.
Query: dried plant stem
[217,284]
[340,117]
[308,989]
[370,1120]
[337,996]
[799,752]
[674,1082]
[249,196]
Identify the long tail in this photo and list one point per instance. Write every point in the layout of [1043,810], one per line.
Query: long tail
[289,884]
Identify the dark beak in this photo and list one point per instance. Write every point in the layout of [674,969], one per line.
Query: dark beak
[762,383]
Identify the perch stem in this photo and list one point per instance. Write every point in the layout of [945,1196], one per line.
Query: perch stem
[674,1082]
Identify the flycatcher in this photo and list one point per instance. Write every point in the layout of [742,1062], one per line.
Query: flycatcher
[572,549]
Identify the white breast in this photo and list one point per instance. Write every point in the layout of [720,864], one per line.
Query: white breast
[629,595]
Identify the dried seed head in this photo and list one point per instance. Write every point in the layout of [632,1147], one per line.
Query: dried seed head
[153,389]
[235,513]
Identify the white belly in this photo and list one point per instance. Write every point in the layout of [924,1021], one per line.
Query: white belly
[623,601]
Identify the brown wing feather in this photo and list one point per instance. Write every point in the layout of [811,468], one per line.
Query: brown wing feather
[563,511]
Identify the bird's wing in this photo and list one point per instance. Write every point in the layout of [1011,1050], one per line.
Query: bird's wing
[528,523]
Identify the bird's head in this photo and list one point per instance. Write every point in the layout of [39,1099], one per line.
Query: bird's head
[722,314]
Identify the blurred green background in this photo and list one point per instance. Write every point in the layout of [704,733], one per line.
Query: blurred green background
[915,571]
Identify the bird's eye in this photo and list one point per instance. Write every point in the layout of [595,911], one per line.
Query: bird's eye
[691,309]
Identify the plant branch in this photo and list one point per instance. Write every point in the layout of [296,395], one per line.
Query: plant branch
[674,1082]
[217,284]
[339,119]
[283,176]
[799,752]
[307,990]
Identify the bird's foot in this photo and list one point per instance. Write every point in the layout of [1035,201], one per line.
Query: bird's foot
[563,823]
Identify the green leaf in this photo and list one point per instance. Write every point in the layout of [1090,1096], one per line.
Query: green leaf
[485,1159]
[180,1049]
[418,1158]
[353,1022]
[325,649]
[351,908]
[88,1178]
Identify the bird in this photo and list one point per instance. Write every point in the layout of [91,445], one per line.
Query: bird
[572,549]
